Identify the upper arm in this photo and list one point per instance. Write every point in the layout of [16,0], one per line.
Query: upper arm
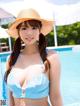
[54,75]
[7,65]
[7,62]
[10,99]
[10,96]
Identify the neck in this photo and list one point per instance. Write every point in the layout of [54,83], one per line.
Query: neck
[30,49]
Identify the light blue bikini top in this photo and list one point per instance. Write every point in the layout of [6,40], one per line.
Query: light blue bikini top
[36,84]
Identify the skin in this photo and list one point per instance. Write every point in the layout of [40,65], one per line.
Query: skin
[31,52]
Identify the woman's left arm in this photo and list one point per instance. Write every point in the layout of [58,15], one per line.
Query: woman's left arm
[55,93]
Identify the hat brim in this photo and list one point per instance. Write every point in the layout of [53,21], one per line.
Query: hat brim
[46,26]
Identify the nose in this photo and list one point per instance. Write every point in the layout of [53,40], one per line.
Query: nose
[29,31]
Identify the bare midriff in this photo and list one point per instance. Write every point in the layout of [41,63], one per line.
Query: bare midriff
[31,102]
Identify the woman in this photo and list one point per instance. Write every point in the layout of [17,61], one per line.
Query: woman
[33,73]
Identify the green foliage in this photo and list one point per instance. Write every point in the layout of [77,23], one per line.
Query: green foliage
[5,26]
[50,39]
[66,35]
[4,40]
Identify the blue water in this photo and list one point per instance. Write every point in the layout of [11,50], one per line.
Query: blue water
[3,87]
[70,76]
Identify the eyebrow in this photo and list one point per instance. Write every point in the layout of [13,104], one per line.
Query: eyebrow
[23,26]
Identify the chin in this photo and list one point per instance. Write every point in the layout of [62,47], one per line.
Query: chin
[29,43]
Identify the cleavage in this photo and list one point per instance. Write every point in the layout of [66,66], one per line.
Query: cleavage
[23,84]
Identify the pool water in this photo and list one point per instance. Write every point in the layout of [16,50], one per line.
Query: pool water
[70,76]
[3,87]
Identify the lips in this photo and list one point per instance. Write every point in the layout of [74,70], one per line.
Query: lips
[29,38]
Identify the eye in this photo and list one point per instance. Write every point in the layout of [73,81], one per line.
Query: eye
[34,28]
[23,28]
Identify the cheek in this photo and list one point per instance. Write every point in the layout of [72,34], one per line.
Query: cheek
[37,36]
[22,36]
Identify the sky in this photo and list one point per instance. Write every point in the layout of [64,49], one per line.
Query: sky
[14,6]
[9,0]
[63,11]
[57,2]
[61,2]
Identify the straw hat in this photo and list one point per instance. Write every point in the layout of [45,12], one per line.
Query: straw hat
[29,14]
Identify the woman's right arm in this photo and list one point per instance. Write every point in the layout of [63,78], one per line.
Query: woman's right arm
[10,99]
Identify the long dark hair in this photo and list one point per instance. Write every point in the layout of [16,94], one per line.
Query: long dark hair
[17,48]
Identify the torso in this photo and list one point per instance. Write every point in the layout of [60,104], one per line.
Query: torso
[31,102]
[23,62]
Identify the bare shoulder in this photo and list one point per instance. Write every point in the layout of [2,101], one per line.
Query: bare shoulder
[55,64]
[52,56]
[7,62]
[51,52]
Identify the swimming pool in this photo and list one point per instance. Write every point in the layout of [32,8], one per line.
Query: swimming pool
[70,75]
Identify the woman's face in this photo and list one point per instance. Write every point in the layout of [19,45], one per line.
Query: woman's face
[29,34]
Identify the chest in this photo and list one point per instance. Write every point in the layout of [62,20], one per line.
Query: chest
[33,73]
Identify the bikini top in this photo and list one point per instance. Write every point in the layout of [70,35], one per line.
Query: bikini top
[36,84]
